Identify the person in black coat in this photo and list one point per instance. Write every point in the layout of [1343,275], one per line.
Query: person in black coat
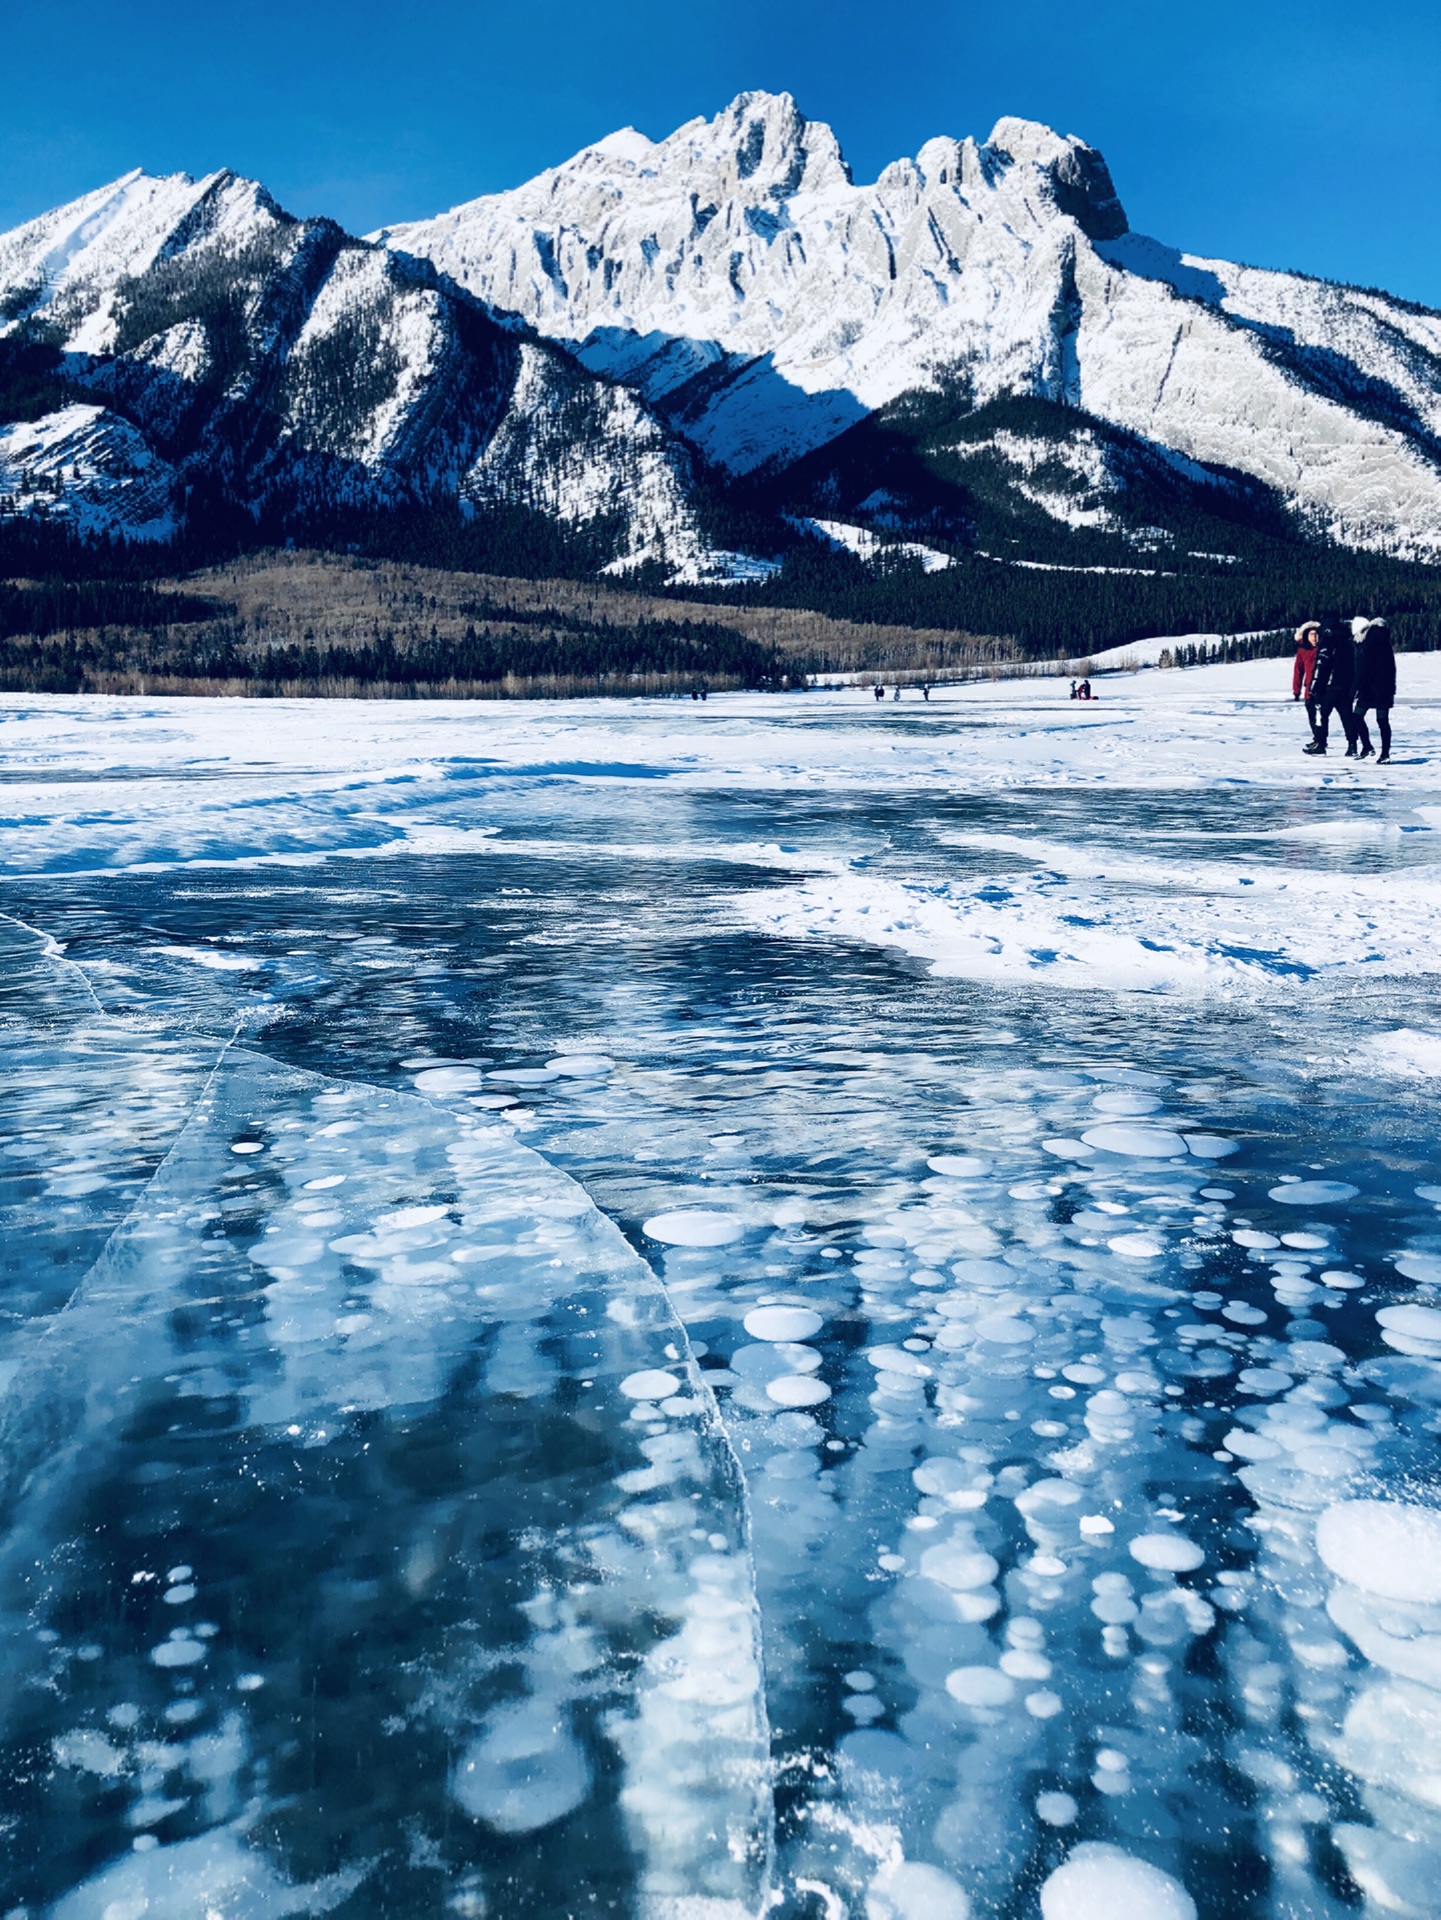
[1333,686]
[1375,684]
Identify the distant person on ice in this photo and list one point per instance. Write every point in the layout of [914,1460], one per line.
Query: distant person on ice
[880,691]
[1333,687]
[1375,684]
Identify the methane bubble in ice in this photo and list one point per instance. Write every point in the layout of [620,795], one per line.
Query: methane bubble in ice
[181,1651]
[958,1567]
[580,1066]
[1101,1882]
[694,1228]
[983,1273]
[1138,1143]
[911,1890]
[1263,1380]
[797,1390]
[782,1323]
[1056,1809]
[980,1686]
[1136,1246]
[1131,1105]
[1312,1193]
[1005,1330]
[1424,1268]
[524,1772]
[1210,1146]
[448,1080]
[1412,1329]
[1068,1149]
[1386,1547]
[649,1384]
[961,1166]
[1167,1552]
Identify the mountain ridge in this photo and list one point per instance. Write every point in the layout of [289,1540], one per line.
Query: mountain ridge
[700,357]
[1008,262]
[294,369]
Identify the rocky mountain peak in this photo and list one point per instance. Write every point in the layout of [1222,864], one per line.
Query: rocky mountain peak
[766,147]
[1079,178]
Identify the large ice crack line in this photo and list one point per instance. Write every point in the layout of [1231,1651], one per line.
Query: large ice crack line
[372,1535]
[93,1103]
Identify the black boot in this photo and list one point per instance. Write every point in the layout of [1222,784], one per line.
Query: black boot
[1315,747]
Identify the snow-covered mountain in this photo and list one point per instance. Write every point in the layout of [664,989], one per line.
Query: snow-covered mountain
[738,278]
[232,352]
[659,340]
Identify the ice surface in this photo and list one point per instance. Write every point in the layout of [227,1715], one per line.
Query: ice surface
[648,1356]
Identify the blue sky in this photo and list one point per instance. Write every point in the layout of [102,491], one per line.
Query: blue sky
[1275,131]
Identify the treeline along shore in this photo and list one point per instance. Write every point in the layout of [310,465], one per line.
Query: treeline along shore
[285,622]
[313,624]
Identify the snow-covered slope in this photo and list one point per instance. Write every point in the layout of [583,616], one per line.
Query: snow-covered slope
[285,367]
[91,467]
[738,278]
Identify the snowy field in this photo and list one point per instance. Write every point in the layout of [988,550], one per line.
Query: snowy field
[794,1305]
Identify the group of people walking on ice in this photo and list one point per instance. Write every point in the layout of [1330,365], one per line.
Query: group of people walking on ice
[1348,671]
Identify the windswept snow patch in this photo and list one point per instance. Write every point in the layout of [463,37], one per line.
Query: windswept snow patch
[842,537]
[1082,918]
[1409,1052]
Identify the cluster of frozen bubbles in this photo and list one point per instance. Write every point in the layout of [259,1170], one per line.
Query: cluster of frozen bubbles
[991,1419]
[1348,1564]
[993,1329]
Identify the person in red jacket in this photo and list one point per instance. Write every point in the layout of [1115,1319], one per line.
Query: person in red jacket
[1305,667]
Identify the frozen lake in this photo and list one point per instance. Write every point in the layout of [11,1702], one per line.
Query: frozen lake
[640,1309]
